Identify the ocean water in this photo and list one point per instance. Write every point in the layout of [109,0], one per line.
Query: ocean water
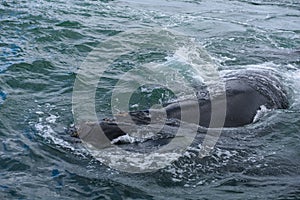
[43,44]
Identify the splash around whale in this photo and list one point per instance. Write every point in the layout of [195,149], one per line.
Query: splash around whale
[246,92]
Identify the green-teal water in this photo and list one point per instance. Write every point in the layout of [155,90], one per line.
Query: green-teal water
[44,42]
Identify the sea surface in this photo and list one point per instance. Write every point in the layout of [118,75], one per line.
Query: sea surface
[43,44]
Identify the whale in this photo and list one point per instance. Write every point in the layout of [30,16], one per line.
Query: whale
[245,91]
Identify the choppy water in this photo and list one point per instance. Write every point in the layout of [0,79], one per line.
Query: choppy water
[44,43]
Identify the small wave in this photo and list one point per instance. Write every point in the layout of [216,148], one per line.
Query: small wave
[2,97]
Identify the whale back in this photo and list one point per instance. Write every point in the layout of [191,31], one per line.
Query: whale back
[264,81]
[246,92]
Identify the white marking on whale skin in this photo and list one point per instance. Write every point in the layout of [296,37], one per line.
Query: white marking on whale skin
[260,113]
[124,139]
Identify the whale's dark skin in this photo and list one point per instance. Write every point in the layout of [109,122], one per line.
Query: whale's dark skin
[246,91]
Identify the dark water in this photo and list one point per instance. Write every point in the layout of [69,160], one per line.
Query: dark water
[43,43]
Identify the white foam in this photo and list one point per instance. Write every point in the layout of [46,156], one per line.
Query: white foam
[133,162]
[44,128]
[39,112]
[51,119]
[47,132]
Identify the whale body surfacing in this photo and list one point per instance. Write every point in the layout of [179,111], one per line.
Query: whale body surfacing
[246,92]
